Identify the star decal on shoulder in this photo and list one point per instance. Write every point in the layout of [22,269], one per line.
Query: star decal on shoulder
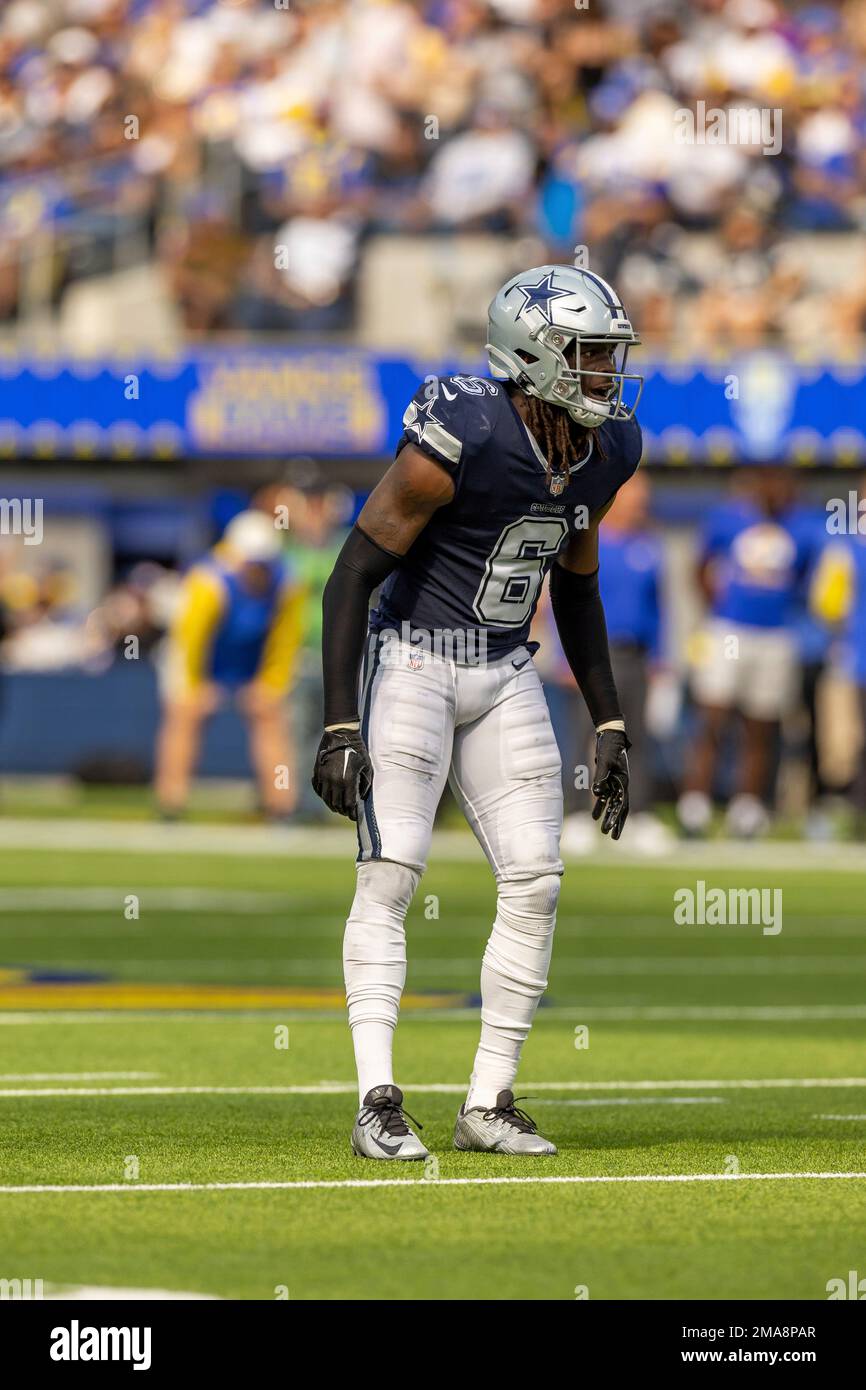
[540,297]
[421,421]
[427,411]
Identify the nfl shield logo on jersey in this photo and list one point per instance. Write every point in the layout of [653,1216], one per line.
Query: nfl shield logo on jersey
[557,483]
[416,660]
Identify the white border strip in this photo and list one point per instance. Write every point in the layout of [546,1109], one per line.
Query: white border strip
[78,1075]
[632,1100]
[416,1183]
[637,1013]
[448,1088]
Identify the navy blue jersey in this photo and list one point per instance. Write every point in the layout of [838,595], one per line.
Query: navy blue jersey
[480,561]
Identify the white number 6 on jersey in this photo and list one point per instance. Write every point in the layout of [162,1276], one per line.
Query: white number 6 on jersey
[515,569]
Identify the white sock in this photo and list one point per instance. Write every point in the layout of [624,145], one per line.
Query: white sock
[513,979]
[372,1042]
[374,966]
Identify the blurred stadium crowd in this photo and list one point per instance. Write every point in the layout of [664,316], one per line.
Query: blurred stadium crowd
[177,143]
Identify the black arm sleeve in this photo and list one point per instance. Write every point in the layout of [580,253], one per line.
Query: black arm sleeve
[579,616]
[361,566]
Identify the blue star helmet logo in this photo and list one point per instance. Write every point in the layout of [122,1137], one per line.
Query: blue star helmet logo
[540,297]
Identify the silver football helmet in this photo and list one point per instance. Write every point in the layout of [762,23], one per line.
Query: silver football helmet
[533,323]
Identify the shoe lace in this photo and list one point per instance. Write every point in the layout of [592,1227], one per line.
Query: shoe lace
[512,1116]
[391,1117]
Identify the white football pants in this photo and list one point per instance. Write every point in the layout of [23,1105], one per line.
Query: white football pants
[487,730]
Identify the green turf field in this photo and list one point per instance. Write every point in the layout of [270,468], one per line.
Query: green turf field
[700,1040]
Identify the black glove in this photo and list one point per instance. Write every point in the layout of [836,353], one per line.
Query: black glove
[611,781]
[343,773]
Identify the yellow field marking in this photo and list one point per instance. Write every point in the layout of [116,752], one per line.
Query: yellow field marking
[117,994]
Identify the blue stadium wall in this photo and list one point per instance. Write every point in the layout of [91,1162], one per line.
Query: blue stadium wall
[327,402]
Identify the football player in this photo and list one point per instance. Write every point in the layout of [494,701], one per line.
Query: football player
[496,481]
[756,554]
[236,635]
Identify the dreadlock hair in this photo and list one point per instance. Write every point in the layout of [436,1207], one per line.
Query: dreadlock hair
[561,439]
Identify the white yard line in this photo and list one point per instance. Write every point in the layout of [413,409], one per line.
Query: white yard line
[345,1088]
[839,1117]
[70,1189]
[122,1017]
[777,964]
[635,1100]
[39,1017]
[337,841]
[578,1013]
[295,969]
[696,1084]
[78,1075]
[150,837]
[78,899]
[88,1293]
[700,1013]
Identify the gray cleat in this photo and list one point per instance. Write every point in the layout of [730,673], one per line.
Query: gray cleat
[503,1129]
[381,1130]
